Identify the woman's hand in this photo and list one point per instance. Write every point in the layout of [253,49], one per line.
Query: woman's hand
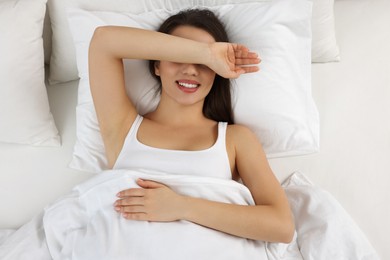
[152,202]
[230,60]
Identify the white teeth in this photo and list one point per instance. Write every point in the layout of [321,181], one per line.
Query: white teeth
[188,85]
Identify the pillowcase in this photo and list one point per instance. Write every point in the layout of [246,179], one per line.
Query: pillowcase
[324,44]
[63,59]
[275,103]
[25,116]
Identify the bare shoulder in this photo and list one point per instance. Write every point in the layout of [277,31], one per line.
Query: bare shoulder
[251,161]
[240,134]
[245,144]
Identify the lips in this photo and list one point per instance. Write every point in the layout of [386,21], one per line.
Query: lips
[188,86]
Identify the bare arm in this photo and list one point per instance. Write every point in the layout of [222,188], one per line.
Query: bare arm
[111,44]
[269,220]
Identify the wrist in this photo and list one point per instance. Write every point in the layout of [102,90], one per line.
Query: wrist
[186,208]
[211,57]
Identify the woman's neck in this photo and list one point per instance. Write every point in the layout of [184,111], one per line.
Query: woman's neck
[178,115]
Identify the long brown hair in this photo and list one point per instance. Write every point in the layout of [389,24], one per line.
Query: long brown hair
[217,105]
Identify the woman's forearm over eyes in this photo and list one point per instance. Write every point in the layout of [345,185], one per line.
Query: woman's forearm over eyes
[133,43]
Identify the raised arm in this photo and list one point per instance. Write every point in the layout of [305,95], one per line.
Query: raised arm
[111,44]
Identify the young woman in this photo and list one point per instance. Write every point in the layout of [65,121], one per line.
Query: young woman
[191,131]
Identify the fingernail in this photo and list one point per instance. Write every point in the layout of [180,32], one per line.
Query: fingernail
[118,208]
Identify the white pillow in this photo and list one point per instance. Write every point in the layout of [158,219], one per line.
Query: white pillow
[275,103]
[25,116]
[63,59]
[324,44]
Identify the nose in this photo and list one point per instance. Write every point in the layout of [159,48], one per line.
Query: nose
[190,69]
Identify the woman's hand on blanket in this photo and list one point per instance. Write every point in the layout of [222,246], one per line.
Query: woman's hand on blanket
[152,202]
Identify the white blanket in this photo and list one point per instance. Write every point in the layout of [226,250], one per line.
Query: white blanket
[84,225]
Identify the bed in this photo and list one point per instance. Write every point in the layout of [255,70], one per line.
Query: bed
[350,89]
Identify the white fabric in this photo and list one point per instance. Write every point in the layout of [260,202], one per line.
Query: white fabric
[84,225]
[324,45]
[25,116]
[28,242]
[325,230]
[4,234]
[211,162]
[275,103]
[63,59]
[96,225]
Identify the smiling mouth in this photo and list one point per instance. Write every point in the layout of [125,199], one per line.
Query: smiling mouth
[187,85]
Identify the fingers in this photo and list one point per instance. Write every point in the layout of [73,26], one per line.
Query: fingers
[250,69]
[140,191]
[245,60]
[131,207]
[131,204]
[135,216]
[131,193]
[245,57]
[242,51]
[153,202]
[127,202]
[251,61]
[130,201]
[149,184]
[136,212]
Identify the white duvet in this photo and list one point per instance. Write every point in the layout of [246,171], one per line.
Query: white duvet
[84,225]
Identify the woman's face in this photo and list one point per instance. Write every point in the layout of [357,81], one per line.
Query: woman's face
[186,83]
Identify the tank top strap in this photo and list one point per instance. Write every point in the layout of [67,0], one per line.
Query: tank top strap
[134,127]
[221,139]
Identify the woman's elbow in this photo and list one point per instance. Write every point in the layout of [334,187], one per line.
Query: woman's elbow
[98,34]
[281,228]
[287,230]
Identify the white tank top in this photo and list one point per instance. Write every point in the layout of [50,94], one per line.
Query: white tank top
[210,162]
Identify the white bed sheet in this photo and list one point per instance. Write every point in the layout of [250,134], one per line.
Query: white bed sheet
[353,164]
